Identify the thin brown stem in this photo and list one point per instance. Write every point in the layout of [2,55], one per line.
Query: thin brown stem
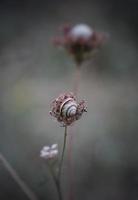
[76,86]
[77,79]
[57,178]
[62,156]
[70,165]
[57,183]
[29,193]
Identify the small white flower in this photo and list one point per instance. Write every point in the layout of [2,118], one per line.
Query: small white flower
[54,153]
[54,146]
[49,152]
[81,31]
[44,154]
[46,148]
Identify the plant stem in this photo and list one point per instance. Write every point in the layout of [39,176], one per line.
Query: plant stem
[77,79]
[57,183]
[76,86]
[62,156]
[29,193]
[57,177]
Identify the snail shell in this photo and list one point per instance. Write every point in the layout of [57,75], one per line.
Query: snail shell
[68,108]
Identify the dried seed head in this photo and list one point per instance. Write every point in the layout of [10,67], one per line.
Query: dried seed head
[81,41]
[66,109]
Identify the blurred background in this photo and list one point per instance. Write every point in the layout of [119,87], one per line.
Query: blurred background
[33,72]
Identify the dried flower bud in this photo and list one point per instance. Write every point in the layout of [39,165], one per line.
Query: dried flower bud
[66,109]
[49,152]
[80,41]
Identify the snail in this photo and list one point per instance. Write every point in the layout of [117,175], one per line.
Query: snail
[68,108]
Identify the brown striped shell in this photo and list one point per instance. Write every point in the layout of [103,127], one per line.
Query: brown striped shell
[66,109]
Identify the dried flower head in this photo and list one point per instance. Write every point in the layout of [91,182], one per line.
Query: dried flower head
[49,152]
[66,109]
[80,41]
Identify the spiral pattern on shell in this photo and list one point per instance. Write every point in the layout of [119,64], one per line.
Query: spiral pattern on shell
[66,109]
